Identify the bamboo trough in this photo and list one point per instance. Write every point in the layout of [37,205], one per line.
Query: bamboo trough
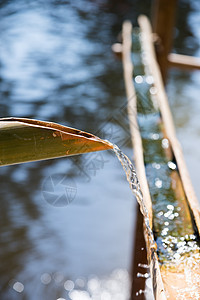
[169,282]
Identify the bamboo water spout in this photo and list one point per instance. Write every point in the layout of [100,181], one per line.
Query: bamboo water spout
[25,140]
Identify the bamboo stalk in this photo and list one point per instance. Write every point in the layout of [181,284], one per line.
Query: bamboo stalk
[183,61]
[175,278]
[167,117]
[163,20]
[169,281]
[25,140]
[132,113]
[158,287]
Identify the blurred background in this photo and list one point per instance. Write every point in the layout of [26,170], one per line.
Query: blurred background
[56,64]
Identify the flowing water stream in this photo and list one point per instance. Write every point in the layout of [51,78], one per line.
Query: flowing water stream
[135,188]
[176,242]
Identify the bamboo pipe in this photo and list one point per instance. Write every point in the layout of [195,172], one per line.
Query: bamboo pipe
[183,61]
[167,117]
[25,140]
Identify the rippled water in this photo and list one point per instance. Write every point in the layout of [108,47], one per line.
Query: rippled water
[56,64]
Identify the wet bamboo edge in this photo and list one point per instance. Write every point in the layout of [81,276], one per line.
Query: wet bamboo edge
[147,43]
[158,287]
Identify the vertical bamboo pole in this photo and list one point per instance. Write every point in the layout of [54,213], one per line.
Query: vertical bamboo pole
[158,287]
[163,21]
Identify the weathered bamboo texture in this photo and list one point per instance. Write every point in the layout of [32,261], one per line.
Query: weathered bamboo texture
[138,153]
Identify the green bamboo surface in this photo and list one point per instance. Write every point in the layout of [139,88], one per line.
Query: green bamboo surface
[25,140]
